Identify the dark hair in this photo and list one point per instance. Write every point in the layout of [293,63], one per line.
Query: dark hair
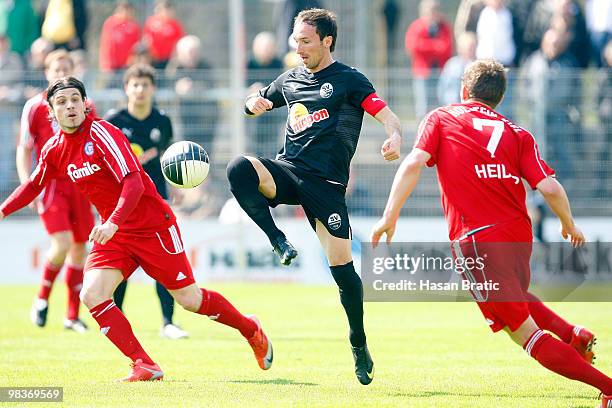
[139,71]
[65,83]
[323,20]
[485,80]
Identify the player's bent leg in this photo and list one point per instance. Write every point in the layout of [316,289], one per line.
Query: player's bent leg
[578,337]
[56,254]
[252,184]
[350,287]
[218,308]
[169,330]
[74,283]
[558,356]
[98,287]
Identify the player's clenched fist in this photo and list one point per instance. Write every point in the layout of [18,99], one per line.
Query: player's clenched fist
[258,105]
[103,233]
[390,149]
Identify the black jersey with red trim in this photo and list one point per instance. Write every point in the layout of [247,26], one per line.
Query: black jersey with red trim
[324,119]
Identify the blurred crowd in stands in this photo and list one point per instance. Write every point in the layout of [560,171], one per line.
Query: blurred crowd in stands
[543,42]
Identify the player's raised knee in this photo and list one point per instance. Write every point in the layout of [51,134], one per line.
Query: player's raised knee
[189,299]
[239,168]
[92,296]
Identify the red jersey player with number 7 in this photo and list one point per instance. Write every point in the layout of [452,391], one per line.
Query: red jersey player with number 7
[481,158]
[138,228]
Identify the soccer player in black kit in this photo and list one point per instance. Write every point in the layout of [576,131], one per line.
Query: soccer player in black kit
[149,131]
[326,101]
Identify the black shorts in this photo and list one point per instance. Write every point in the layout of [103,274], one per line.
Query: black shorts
[321,199]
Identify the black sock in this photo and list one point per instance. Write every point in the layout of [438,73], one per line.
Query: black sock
[119,294]
[166,302]
[351,297]
[244,184]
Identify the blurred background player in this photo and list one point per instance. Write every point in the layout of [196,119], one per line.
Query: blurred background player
[138,228]
[326,101]
[64,211]
[149,132]
[462,140]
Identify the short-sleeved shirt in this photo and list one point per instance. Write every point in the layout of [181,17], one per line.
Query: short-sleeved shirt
[96,158]
[325,117]
[153,131]
[481,158]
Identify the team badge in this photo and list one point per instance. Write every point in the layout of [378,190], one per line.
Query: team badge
[89,148]
[334,221]
[326,90]
[155,135]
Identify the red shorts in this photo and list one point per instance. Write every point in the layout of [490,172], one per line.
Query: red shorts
[501,283]
[160,254]
[64,208]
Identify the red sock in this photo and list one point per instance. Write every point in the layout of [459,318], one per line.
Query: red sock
[74,283]
[118,330]
[564,360]
[548,320]
[50,272]
[218,308]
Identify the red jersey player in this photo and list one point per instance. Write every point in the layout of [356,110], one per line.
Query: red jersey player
[481,158]
[138,227]
[66,214]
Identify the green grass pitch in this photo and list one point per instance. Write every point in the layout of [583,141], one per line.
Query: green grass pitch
[426,355]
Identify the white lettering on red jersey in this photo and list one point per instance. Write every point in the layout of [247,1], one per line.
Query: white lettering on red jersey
[481,157]
[96,158]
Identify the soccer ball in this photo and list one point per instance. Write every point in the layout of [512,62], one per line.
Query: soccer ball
[185,164]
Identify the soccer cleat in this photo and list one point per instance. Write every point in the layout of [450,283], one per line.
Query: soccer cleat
[261,345]
[583,342]
[38,313]
[173,332]
[606,401]
[284,250]
[143,372]
[77,325]
[364,366]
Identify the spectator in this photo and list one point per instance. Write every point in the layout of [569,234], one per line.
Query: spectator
[429,42]
[120,34]
[449,84]
[285,13]
[192,81]
[575,21]
[35,80]
[391,13]
[540,20]
[604,103]
[599,22]
[263,67]
[467,16]
[161,32]
[65,23]
[22,27]
[11,71]
[495,38]
[494,32]
[555,91]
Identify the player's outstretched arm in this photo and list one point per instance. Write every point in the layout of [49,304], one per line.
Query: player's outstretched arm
[556,198]
[390,149]
[255,105]
[405,181]
[22,196]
